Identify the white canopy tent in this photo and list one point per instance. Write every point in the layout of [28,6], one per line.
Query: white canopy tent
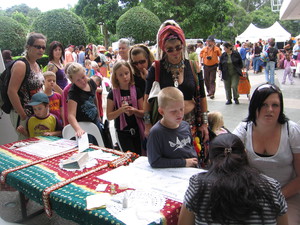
[253,33]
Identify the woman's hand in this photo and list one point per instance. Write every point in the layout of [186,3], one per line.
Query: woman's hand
[204,132]
[144,73]
[147,129]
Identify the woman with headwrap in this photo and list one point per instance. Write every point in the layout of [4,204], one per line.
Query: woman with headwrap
[176,70]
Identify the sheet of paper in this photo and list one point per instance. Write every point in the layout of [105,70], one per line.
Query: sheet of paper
[171,182]
[83,142]
[97,201]
[45,148]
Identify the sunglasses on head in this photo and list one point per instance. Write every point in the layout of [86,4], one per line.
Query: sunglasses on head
[143,61]
[39,47]
[268,86]
[177,48]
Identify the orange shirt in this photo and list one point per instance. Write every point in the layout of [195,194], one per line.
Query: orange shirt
[213,52]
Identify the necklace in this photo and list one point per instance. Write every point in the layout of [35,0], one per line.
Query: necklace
[175,70]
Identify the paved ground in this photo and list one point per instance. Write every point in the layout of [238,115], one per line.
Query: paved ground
[233,114]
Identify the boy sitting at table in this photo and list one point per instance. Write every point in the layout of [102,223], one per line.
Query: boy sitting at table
[42,123]
[170,142]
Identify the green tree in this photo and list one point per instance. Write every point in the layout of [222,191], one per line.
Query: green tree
[62,25]
[198,18]
[103,13]
[21,18]
[12,35]
[139,24]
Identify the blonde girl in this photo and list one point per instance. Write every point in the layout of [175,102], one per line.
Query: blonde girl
[82,105]
[125,107]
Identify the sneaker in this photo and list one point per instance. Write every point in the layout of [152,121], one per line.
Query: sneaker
[236,101]
[212,97]
[282,82]
[228,102]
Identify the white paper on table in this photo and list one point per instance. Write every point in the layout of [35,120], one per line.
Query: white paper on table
[83,142]
[45,148]
[101,187]
[97,201]
[99,154]
[170,182]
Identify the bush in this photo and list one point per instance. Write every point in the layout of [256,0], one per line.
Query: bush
[139,24]
[12,35]
[63,26]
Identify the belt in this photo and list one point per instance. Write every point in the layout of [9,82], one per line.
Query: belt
[131,131]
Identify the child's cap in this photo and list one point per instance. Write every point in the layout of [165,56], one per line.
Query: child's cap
[38,98]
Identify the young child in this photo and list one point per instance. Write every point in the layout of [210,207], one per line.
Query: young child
[55,99]
[96,69]
[287,69]
[42,123]
[170,142]
[216,124]
[232,191]
[98,81]
[89,71]
[125,107]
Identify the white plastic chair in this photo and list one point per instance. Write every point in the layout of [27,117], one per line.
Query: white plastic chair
[89,127]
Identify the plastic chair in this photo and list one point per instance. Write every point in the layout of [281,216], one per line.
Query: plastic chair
[89,127]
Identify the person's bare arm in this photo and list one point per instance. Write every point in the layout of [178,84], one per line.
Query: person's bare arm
[282,220]
[186,217]
[17,76]
[293,187]
[72,107]
[147,108]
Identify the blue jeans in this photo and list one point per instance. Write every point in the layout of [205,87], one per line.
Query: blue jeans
[270,72]
[256,63]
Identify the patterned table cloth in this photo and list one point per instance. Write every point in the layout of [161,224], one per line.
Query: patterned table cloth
[69,201]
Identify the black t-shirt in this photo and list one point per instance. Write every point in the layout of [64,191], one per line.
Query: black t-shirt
[125,97]
[86,107]
[188,86]
[272,53]
[140,83]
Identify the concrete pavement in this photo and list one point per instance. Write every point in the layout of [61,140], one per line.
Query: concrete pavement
[233,114]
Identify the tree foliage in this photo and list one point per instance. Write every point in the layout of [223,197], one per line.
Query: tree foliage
[138,24]
[12,35]
[62,25]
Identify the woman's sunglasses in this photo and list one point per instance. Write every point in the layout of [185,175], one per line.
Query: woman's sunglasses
[39,47]
[177,48]
[268,86]
[143,61]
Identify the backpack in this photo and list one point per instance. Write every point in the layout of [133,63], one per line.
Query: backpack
[5,103]
[272,54]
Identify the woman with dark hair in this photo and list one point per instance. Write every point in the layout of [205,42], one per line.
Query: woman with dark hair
[231,65]
[140,59]
[231,191]
[56,52]
[19,91]
[175,70]
[273,144]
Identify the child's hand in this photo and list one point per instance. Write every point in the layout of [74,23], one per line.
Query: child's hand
[47,134]
[191,162]
[130,111]
[21,129]
[79,133]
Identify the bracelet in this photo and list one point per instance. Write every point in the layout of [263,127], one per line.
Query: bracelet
[204,118]
[147,118]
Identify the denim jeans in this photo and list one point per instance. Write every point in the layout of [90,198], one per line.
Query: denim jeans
[256,63]
[270,72]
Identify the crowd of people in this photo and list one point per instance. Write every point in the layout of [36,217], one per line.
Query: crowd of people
[160,110]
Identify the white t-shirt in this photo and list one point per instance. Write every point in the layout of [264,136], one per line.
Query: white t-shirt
[279,166]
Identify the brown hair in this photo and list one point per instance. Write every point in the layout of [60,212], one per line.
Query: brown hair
[117,66]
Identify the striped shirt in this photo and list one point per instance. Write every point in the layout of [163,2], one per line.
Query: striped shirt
[192,201]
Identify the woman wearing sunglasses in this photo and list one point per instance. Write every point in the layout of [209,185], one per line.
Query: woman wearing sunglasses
[273,144]
[177,71]
[23,85]
[140,59]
